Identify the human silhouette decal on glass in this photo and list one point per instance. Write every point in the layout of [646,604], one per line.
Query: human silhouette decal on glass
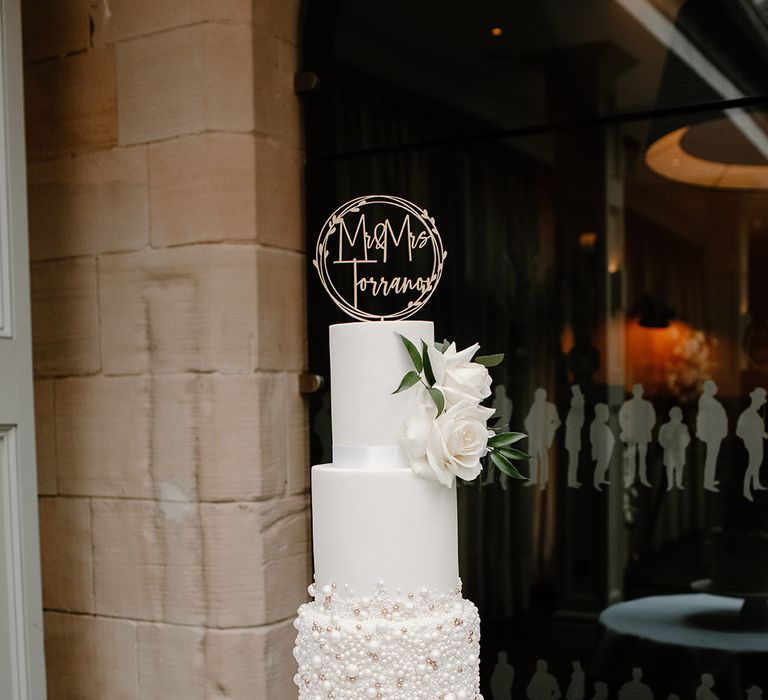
[541,424]
[704,691]
[602,440]
[635,689]
[502,678]
[754,693]
[503,405]
[574,422]
[543,685]
[751,429]
[711,429]
[674,439]
[636,419]
[576,686]
[601,691]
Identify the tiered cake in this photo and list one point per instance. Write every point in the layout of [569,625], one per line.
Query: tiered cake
[388,619]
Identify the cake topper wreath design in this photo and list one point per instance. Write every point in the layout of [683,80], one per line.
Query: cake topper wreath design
[358,246]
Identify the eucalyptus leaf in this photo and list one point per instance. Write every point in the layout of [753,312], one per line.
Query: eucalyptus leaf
[504,439]
[438,398]
[429,375]
[407,381]
[506,466]
[442,347]
[413,352]
[490,360]
[512,453]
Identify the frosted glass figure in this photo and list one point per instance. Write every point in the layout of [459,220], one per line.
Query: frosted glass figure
[635,689]
[601,691]
[602,440]
[574,422]
[751,429]
[543,685]
[541,423]
[711,428]
[704,691]
[576,686]
[754,693]
[674,438]
[502,678]
[503,405]
[636,418]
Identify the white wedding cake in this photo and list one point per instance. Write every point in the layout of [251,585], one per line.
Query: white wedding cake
[387,619]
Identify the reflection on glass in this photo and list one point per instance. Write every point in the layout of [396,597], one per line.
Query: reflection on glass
[619,263]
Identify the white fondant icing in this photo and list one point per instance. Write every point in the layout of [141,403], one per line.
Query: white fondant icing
[383,525]
[368,360]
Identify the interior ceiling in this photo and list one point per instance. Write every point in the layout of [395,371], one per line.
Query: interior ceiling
[501,80]
[453,58]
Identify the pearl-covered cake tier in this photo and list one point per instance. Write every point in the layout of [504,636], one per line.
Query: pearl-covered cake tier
[387,619]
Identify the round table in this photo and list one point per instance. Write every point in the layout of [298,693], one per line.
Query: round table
[676,639]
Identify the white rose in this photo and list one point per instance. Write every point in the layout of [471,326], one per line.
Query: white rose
[448,445]
[457,377]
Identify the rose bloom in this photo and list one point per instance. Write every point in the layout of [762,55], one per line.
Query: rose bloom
[457,377]
[449,445]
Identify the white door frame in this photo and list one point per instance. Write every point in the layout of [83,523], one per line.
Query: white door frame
[22,668]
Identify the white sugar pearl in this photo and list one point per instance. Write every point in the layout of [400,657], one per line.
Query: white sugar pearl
[352,670]
[317,661]
[327,590]
[435,654]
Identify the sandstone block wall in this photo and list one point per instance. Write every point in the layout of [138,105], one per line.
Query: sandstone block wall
[165,212]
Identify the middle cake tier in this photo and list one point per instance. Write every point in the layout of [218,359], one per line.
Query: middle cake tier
[385,526]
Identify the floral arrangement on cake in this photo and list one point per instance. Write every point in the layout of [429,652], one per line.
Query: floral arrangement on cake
[446,432]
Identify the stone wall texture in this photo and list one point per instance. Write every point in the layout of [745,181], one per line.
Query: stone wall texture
[165,212]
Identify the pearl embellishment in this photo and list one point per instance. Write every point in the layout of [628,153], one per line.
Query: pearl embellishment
[413,646]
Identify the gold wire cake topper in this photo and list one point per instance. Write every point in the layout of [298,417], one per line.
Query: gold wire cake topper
[355,252]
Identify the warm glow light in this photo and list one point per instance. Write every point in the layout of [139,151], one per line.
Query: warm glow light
[567,340]
[667,157]
[673,360]
[588,239]
[497,31]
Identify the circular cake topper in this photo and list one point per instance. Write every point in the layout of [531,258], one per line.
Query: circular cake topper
[379,257]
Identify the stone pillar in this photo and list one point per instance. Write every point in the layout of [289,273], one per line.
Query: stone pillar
[165,205]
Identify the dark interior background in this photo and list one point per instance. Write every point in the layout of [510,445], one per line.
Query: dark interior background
[529,149]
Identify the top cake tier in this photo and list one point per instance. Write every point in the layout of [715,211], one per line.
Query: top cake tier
[368,360]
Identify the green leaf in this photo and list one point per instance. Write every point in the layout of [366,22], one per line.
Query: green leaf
[506,466]
[438,398]
[428,373]
[407,381]
[512,453]
[504,439]
[413,352]
[442,347]
[490,360]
